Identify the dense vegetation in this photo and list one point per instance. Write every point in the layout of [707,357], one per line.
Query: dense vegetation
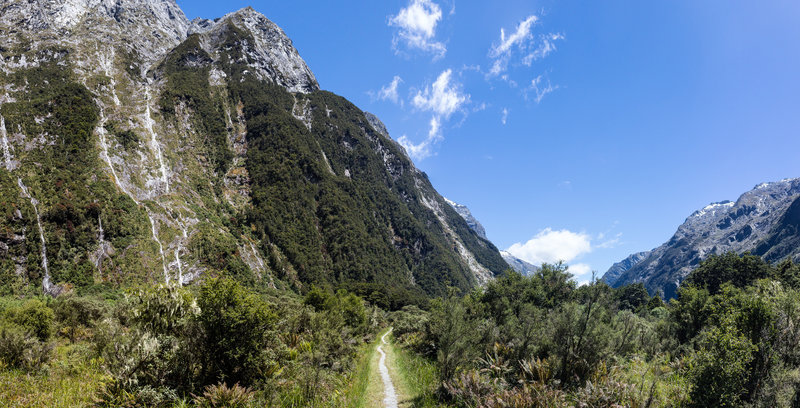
[216,344]
[731,338]
[57,115]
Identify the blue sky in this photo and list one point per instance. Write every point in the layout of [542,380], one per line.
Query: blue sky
[587,130]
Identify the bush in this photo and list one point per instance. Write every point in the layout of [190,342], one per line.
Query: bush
[236,330]
[220,395]
[23,350]
[33,316]
[76,313]
[720,369]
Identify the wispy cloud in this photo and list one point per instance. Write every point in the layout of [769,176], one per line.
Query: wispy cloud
[416,25]
[521,41]
[608,243]
[389,92]
[443,98]
[547,44]
[540,87]
[504,118]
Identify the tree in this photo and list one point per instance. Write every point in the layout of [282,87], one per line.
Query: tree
[236,330]
[729,267]
[631,297]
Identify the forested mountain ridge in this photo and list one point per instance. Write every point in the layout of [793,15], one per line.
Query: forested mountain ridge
[763,221]
[139,146]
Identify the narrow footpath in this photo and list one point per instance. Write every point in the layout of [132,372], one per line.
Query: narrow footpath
[387,387]
[390,396]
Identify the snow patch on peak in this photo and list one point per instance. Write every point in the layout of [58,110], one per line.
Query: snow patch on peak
[713,208]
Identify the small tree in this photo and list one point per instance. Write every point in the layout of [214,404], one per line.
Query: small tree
[236,331]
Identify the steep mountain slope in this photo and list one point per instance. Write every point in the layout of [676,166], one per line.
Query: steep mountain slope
[140,146]
[764,221]
[515,263]
[523,267]
[615,271]
[466,214]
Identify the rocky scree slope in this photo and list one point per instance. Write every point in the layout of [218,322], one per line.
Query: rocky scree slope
[764,221]
[139,146]
[523,267]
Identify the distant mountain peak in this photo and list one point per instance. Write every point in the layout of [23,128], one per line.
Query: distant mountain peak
[465,213]
[759,221]
[523,267]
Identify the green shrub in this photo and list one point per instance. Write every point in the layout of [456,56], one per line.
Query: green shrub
[23,350]
[75,313]
[720,368]
[220,395]
[237,329]
[33,316]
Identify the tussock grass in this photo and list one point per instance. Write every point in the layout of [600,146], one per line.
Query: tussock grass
[70,380]
[420,376]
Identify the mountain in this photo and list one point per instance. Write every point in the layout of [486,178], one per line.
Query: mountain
[619,268]
[466,214]
[764,221]
[139,146]
[523,267]
[515,263]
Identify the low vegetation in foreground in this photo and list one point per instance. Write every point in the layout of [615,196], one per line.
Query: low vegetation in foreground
[729,339]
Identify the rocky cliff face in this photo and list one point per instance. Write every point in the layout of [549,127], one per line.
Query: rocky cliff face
[763,221]
[466,214]
[615,271]
[523,267]
[140,146]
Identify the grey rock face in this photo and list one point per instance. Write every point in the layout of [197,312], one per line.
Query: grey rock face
[272,54]
[616,270]
[763,221]
[465,213]
[149,29]
[525,268]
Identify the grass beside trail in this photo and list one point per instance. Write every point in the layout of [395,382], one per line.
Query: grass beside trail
[419,377]
[365,387]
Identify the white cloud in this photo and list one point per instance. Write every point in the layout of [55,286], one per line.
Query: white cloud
[389,92]
[443,98]
[524,41]
[417,27]
[582,273]
[552,246]
[504,118]
[423,149]
[540,88]
[418,151]
[547,44]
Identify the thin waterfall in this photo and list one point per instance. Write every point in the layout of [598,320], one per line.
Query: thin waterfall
[160,246]
[154,145]
[180,268]
[6,149]
[47,286]
[107,63]
[103,133]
